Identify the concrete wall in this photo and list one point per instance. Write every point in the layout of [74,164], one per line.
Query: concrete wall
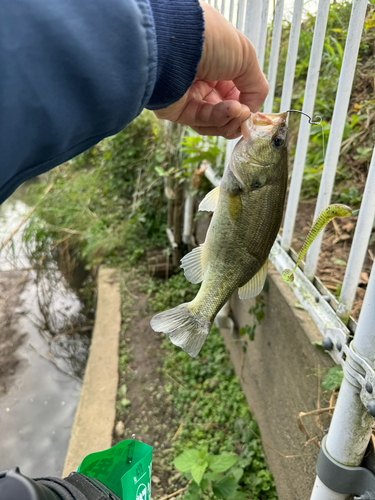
[279,374]
[96,411]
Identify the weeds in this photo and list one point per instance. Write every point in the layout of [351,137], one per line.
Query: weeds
[212,408]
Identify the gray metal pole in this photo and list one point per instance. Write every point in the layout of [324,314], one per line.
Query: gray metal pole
[350,429]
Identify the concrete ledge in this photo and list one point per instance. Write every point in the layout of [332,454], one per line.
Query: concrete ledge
[279,376]
[95,416]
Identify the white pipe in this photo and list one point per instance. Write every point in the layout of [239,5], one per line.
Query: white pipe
[304,128]
[364,338]
[359,245]
[253,21]
[274,56]
[240,15]
[263,33]
[211,176]
[187,233]
[320,491]
[231,11]
[351,425]
[338,122]
[291,60]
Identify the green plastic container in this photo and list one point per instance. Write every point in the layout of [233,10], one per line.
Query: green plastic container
[125,469]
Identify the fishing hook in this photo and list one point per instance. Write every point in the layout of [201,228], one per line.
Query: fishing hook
[309,117]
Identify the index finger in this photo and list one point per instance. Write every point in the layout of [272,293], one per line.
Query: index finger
[250,81]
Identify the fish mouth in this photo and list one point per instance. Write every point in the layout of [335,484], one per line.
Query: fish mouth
[264,124]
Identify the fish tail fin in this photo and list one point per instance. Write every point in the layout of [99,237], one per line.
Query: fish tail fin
[185,329]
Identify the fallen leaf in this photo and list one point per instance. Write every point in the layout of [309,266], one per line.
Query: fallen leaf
[339,262]
[363,278]
[345,237]
[348,227]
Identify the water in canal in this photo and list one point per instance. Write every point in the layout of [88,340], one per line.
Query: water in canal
[42,355]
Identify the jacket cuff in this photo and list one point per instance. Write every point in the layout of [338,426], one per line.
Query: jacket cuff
[179,26]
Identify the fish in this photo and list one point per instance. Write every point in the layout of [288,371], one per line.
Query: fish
[247,211]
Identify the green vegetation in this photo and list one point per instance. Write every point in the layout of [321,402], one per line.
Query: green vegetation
[333,378]
[216,417]
[257,311]
[107,203]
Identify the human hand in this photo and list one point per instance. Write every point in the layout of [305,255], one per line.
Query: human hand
[229,82]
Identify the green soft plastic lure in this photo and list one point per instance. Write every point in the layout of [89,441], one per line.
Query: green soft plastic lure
[325,216]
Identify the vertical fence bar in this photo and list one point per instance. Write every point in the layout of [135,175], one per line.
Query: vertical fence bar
[290,67]
[253,21]
[274,56]
[350,428]
[338,122]
[304,128]
[263,33]
[359,245]
[216,5]
[240,15]
[222,9]
[231,10]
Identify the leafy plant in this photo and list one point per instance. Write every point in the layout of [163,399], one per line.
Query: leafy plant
[258,312]
[209,473]
[198,149]
[350,196]
[333,378]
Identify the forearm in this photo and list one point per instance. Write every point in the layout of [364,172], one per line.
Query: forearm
[73,73]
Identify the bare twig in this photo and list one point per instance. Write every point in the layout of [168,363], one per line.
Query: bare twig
[27,216]
[277,451]
[181,490]
[317,412]
[72,332]
[184,420]
[51,360]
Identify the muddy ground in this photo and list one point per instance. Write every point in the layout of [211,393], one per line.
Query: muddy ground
[150,416]
[12,284]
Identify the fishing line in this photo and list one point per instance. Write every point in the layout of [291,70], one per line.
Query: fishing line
[312,123]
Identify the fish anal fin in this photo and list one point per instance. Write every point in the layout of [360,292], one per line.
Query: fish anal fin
[253,287]
[192,265]
[209,202]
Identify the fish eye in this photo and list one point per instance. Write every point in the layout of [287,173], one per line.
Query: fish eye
[278,141]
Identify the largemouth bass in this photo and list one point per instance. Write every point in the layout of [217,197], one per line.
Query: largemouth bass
[248,207]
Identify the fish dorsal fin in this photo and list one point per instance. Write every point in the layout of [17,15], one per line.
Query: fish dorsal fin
[255,285]
[209,202]
[192,265]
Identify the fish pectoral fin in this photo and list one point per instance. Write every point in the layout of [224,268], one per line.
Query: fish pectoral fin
[192,264]
[209,202]
[255,285]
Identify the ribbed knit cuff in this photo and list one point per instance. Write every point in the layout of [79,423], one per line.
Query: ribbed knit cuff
[179,26]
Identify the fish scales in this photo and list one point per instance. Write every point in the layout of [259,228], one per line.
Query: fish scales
[247,217]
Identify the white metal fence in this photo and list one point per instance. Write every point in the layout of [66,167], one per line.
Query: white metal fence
[351,426]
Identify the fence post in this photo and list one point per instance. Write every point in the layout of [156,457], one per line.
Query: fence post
[351,425]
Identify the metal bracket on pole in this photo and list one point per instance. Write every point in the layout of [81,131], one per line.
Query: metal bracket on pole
[343,479]
[356,369]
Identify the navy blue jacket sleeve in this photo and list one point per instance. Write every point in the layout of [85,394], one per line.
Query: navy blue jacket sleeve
[73,72]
